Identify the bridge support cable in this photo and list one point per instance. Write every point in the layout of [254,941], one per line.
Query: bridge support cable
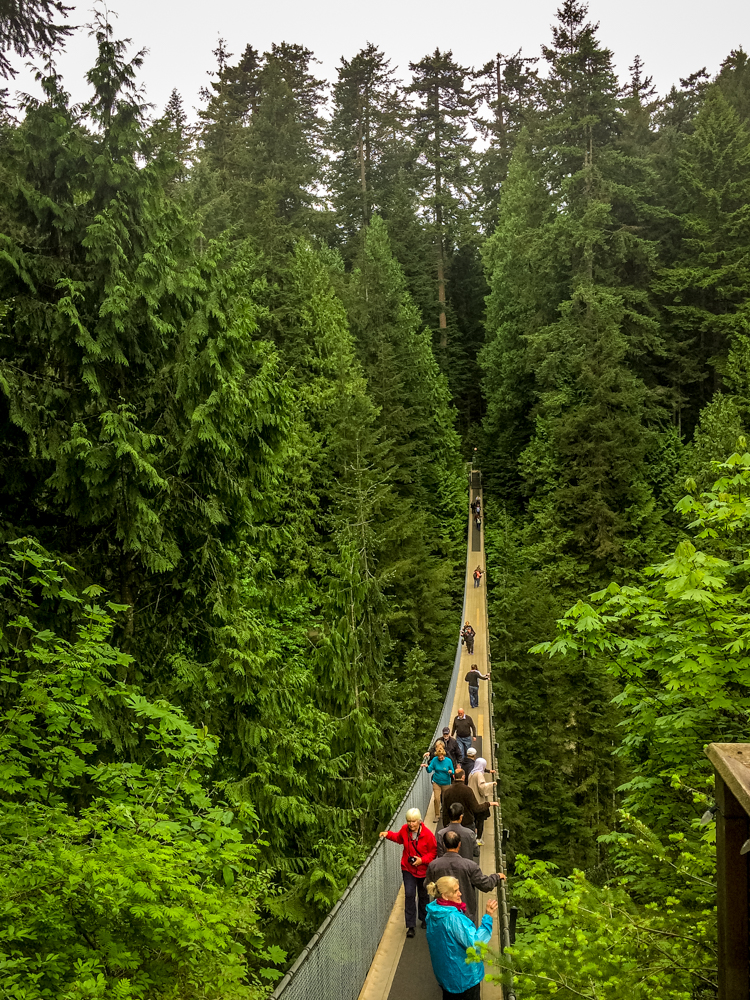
[335,962]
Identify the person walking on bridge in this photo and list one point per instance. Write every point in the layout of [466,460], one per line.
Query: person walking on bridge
[468,847]
[473,808]
[467,636]
[474,676]
[467,763]
[470,876]
[449,934]
[441,768]
[451,747]
[420,848]
[464,730]
[478,574]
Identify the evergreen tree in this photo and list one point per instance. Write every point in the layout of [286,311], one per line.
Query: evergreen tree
[284,150]
[441,122]
[139,405]
[704,287]
[173,133]
[584,463]
[365,124]
[520,278]
[220,177]
[734,82]
[510,89]
[29,27]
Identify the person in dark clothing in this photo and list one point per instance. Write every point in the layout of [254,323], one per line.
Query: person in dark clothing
[474,676]
[451,747]
[468,837]
[464,730]
[420,848]
[459,792]
[467,763]
[467,635]
[470,876]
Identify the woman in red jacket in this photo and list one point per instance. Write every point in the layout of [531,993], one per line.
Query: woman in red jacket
[420,848]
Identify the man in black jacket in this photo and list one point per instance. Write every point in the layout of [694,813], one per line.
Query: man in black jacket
[470,876]
[460,792]
[451,747]
[464,730]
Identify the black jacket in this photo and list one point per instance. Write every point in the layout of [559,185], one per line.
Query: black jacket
[451,748]
[467,766]
[459,792]
[464,727]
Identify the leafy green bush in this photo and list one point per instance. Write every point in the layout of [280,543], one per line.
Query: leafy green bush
[121,874]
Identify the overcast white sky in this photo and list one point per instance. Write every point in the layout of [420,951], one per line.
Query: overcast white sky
[673,37]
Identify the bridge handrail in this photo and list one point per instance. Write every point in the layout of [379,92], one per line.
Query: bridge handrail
[337,958]
[497,816]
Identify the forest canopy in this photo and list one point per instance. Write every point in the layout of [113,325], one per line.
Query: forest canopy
[243,362]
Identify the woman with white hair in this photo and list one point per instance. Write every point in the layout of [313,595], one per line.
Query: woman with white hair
[420,848]
[449,934]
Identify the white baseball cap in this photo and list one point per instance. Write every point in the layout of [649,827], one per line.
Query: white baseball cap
[471,752]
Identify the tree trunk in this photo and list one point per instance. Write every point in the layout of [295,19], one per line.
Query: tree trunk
[441,299]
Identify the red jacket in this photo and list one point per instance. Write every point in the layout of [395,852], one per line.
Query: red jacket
[424,847]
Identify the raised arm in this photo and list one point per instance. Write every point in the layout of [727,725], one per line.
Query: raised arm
[485,883]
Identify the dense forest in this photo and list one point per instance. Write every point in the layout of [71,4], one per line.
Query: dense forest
[244,360]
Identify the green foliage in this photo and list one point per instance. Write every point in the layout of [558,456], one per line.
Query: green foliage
[704,283]
[677,645]
[122,873]
[581,940]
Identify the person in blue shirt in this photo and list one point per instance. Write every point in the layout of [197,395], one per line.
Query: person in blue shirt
[441,769]
[449,934]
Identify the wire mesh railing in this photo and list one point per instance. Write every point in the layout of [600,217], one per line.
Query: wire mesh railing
[336,960]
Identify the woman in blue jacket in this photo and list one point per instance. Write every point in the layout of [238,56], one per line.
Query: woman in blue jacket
[449,934]
[441,769]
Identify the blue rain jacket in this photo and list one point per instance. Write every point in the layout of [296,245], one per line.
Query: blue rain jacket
[449,934]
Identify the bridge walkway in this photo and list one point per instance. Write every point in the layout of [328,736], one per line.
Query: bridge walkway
[401,969]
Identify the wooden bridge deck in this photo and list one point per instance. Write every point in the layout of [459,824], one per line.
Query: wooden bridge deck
[401,969]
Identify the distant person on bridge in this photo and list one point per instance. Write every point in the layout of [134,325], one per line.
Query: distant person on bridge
[420,849]
[478,574]
[441,768]
[468,837]
[467,636]
[473,808]
[464,730]
[450,934]
[470,876]
[482,790]
[474,676]
[451,747]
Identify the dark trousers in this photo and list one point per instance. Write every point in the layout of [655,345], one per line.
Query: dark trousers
[473,696]
[480,825]
[412,886]
[472,994]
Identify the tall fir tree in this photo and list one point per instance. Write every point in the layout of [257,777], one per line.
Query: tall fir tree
[367,122]
[446,103]
[703,288]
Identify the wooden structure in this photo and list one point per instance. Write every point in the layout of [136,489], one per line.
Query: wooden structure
[731,763]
